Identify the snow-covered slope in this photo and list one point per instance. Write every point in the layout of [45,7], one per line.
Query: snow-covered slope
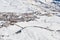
[24,5]
[41,20]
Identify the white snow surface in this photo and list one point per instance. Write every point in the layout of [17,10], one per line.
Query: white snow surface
[47,26]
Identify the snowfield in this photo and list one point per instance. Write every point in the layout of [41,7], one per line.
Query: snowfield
[31,20]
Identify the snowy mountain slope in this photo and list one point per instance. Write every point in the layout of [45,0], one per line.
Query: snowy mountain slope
[45,27]
[30,5]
